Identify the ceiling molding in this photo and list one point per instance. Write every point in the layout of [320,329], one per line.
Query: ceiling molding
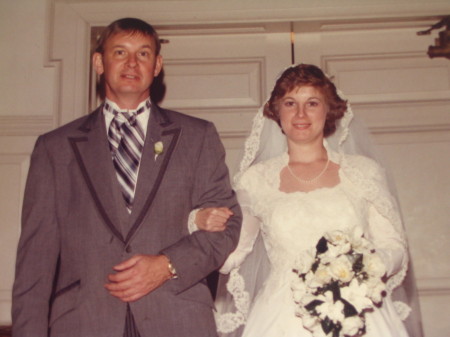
[161,13]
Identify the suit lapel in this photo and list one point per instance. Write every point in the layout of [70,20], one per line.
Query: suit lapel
[92,153]
[152,170]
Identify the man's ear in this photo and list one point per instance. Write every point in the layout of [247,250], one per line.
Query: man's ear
[97,63]
[159,64]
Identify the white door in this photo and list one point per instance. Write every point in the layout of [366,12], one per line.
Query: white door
[223,74]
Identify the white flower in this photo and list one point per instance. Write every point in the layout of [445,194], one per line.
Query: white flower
[322,275]
[307,299]
[311,281]
[356,294]
[359,243]
[337,237]
[351,325]
[333,310]
[341,269]
[310,322]
[373,265]
[334,251]
[338,246]
[375,289]
[158,148]
[298,290]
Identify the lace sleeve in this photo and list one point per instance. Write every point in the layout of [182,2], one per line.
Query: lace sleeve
[385,225]
[249,232]
[387,241]
[192,226]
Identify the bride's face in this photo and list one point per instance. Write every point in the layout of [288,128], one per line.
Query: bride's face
[303,113]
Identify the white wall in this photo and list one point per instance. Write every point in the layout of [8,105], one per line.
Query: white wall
[28,92]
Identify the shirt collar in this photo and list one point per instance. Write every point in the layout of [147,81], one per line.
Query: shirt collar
[112,107]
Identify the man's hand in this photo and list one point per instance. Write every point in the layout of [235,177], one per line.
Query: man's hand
[213,219]
[138,276]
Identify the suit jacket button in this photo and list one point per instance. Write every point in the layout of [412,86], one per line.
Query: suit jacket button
[128,249]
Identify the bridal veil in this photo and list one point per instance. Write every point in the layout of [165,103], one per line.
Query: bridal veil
[237,290]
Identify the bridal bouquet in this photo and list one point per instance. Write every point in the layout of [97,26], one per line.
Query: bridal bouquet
[337,283]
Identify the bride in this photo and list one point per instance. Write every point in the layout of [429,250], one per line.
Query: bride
[302,178]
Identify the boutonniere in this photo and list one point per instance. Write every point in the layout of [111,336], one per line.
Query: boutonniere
[158,148]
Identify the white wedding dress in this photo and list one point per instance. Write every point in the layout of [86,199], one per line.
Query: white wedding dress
[293,222]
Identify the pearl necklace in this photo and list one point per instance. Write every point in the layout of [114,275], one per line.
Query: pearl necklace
[309,181]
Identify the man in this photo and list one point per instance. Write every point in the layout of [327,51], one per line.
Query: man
[105,248]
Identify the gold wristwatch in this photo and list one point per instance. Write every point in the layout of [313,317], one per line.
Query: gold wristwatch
[172,271]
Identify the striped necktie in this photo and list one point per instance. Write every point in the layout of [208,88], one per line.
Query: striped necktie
[126,141]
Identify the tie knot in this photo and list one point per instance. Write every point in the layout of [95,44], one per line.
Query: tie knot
[130,115]
[122,116]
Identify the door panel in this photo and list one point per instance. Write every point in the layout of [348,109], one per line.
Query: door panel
[212,74]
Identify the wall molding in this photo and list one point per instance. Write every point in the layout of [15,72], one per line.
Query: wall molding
[207,12]
[222,29]
[377,24]
[388,136]
[434,286]
[27,125]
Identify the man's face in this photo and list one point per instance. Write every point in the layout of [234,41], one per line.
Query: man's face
[129,64]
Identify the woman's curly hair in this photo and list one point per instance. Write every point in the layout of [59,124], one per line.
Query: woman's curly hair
[307,75]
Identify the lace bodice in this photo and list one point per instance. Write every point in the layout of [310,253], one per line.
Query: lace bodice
[293,222]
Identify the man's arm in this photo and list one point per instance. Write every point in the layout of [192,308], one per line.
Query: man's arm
[202,252]
[38,249]
[196,255]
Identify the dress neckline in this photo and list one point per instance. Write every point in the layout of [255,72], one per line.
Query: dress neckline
[284,161]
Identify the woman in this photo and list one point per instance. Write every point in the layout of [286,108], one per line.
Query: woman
[295,185]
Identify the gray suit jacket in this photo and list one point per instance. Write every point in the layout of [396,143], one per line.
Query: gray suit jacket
[75,228]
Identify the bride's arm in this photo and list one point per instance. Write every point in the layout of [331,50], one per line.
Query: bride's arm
[211,219]
[214,219]
[388,242]
[385,229]
[249,232]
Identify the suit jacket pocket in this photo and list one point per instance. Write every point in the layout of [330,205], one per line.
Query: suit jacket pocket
[64,301]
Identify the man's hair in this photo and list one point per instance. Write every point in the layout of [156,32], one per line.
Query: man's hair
[131,25]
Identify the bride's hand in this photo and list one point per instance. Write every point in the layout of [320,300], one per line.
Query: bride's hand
[213,219]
